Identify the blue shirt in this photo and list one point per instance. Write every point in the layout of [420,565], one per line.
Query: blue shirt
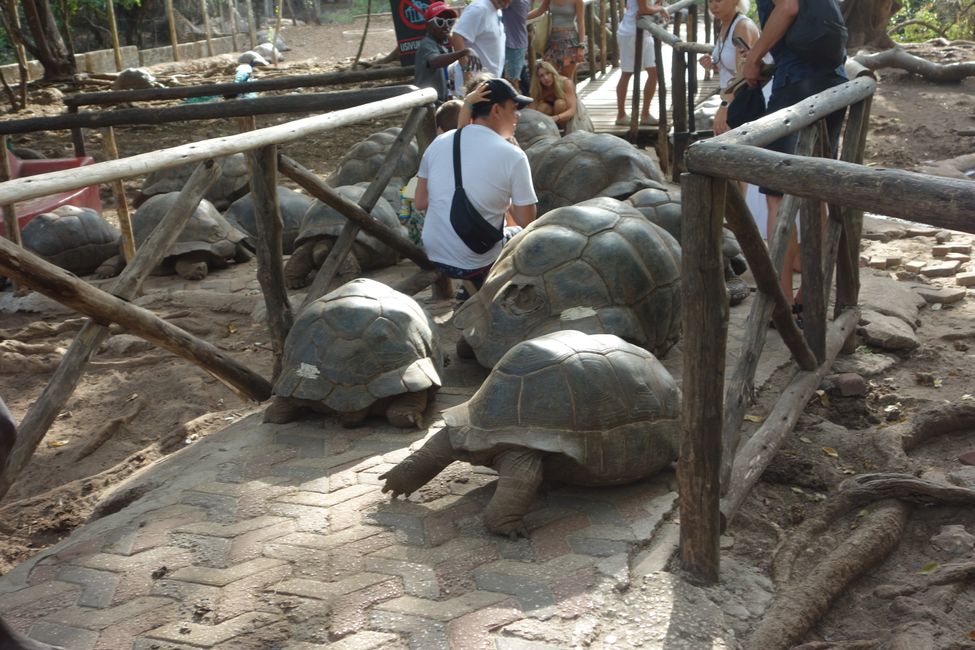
[789,66]
[515,19]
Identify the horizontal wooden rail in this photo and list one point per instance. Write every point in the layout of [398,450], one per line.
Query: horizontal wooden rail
[230,88]
[22,189]
[303,103]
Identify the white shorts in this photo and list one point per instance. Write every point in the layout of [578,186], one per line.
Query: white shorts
[627,45]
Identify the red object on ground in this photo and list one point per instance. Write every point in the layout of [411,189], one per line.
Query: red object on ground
[86,197]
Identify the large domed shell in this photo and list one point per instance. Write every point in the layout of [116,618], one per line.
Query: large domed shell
[535,127]
[291,205]
[605,411]
[76,239]
[322,220]
[363,160]
[206,230]
[362,342]
[583,165]
[232,184]
[662,207]
[599,267]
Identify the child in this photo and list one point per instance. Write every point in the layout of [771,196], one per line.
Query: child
[434,55]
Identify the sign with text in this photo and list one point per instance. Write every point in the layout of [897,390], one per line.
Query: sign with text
[410,27]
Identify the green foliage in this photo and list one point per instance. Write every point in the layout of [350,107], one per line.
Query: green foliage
[954,18]
[347,13]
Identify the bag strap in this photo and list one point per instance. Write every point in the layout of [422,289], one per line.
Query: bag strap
[458,181]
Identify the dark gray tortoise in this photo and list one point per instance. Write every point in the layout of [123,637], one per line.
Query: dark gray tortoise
[571,407]
[321,226]
[292,207]
[600,267]
[206,242]
[76,239]
[363,160]
[662,207]
[535,127]
[232,184]
[583,165]
[363,349]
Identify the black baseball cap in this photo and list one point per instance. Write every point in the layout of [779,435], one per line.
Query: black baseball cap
[502,90]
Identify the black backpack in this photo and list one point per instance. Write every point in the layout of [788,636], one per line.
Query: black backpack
[818,34]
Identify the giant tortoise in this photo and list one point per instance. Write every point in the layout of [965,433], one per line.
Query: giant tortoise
[76,239]
[363,160]
[600,267]
[232,184]
[292,207]
[321,226]
[572,407]
[363,349]
[206,241]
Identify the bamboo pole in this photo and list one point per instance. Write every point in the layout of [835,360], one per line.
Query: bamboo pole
[705,335]
[251,25]
[270,266]
[171,20]
[206,26]
[113,28]
[104,172]
[105,308]
[343,245]
[121,203]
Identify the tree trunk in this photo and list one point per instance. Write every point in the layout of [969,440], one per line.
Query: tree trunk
[867,22]
[47,45]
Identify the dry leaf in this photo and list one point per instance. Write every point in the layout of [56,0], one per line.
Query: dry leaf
[829,451]
[929,567]
[971,635]
[754,418]
[57,443]
[805,439]
[231,328]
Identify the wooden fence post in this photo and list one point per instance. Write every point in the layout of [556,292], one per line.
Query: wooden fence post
[705,333]
[113,28]
[10,223]
[171,19]
[206,26]
[251,26]
[122,205]
[637,89]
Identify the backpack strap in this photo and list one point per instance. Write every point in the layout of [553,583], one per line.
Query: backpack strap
[458,181]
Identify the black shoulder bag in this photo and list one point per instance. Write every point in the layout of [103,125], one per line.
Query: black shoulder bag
[474,230]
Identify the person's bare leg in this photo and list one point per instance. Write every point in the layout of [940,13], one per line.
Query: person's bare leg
[622,86]
[569,72]
[649,88]
[791,251]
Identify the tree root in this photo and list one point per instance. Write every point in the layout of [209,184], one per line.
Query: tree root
[939,420]
[897,57]
[800,606]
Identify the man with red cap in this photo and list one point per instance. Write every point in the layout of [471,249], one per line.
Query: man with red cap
[434,54]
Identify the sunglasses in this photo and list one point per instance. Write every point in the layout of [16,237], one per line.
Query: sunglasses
[443,22]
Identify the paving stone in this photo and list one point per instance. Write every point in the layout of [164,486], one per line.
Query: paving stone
[308,446]
[326,500]
[237,489]
[915,266]
[602,541]
[331,590]
[940,269]
[235,529]
[64,636]
[207,636]
[98,619]
[510,643]
[333,540]
[944,296]
[28,595]
[958,257]
[366,640]
[332,461]
[443,610]
[965,279]
[309,519]
[423,632]
[223,577]
[330,565]
[350,513]
[472,630]
[97,587]
[122,563]
[941,250]
[350,613]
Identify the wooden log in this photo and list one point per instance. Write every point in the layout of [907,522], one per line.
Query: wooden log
[319,189]
[304,103]
[614,23]
[634,132]
[343,245]
[679,109]
[110,97]
[121,203]
[848,257]
[104,172]
[663,147]
[690,61]
[10,224]
[206,26]
[813,297]
[113,28]
[754,456]
[171,21]
[278,11]
[602,37]
[251,25]
[270,265]
[589,17]
[705,334]
[897,57]
[945,202]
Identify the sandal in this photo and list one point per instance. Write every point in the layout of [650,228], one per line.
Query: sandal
[623,121]
[649,121]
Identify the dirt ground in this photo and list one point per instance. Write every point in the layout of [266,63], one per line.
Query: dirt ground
[137,404]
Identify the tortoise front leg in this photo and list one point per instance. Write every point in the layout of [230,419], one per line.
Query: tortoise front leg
[420,467]
[520,474]
[299,265]
[406,411]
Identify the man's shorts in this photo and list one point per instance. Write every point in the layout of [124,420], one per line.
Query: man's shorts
[793,94]
[627,45]
[514,61]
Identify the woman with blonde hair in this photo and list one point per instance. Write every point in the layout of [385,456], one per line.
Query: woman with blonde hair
[565,48]
[555,95]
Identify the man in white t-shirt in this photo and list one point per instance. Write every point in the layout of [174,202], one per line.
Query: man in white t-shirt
[496,176]
[480,29]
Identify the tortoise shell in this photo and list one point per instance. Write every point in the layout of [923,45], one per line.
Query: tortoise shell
[322,220]
[232,184]
[206,229]
[535,127]
[603,411]
[583,165]
[599,267]
[76,239]
[292,206]
[662,207]
[362,342]
[363,160]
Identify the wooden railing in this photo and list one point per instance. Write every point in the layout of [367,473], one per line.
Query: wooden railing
[715,473]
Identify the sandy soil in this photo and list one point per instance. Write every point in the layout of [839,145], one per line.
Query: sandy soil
[137,404]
